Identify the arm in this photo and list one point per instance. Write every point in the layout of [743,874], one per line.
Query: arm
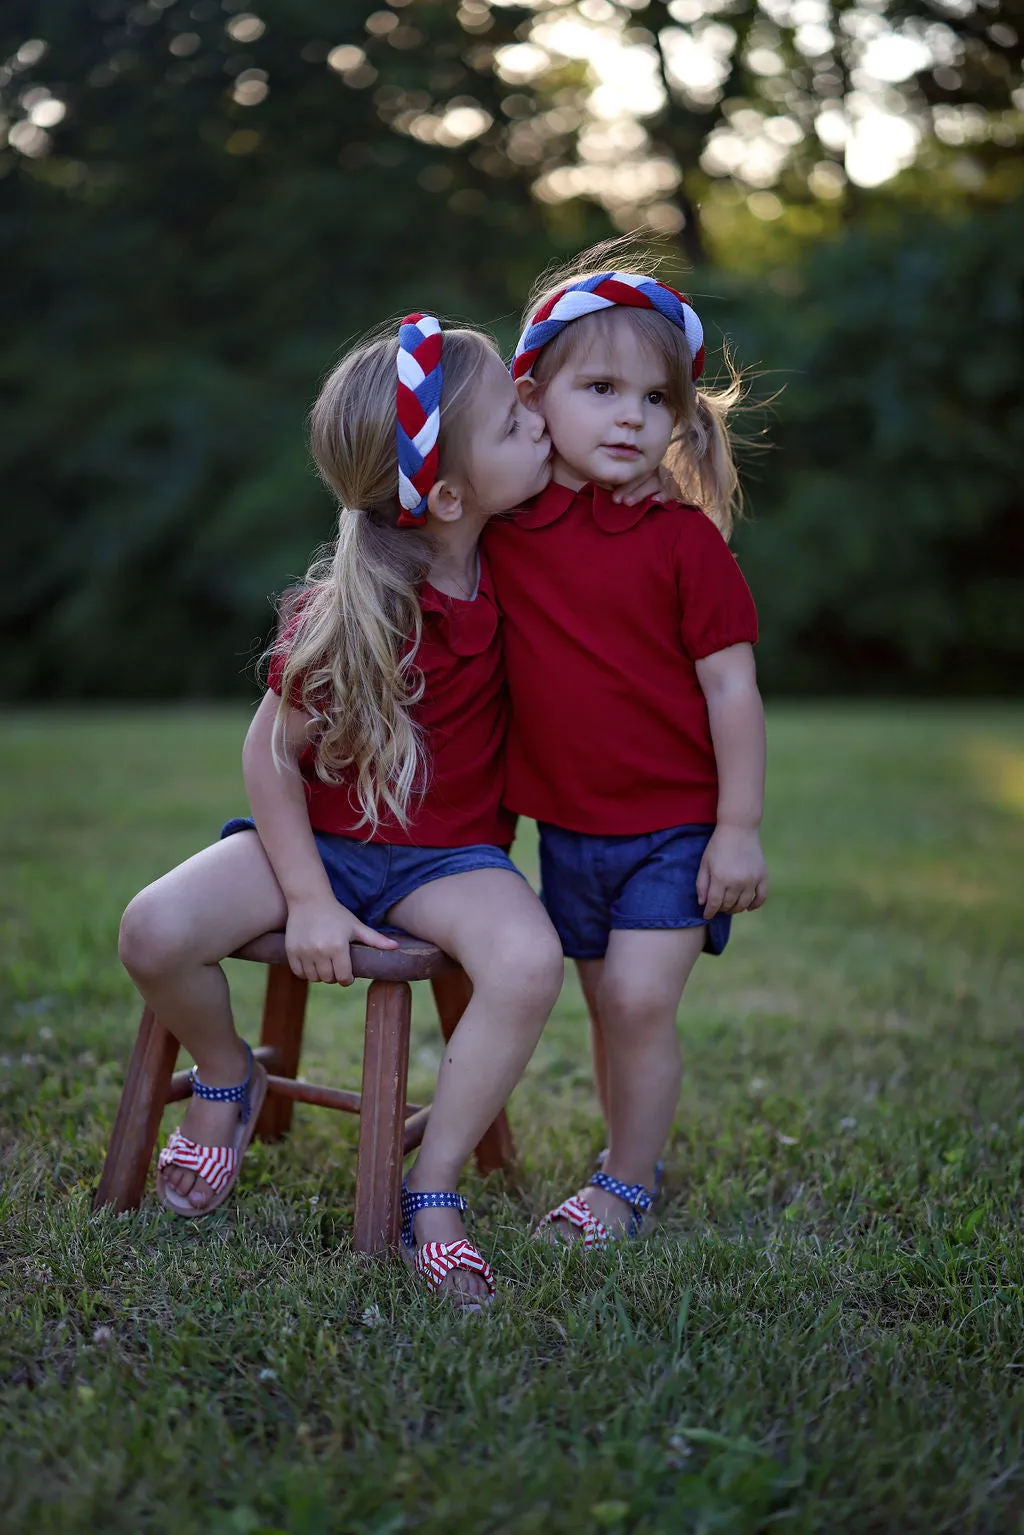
[319,928]
[732,874]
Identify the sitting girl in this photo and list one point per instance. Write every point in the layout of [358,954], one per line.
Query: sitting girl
[637,733]
[374,769]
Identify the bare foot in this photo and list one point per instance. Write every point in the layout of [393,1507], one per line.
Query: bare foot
[208,1124]
[442,1225]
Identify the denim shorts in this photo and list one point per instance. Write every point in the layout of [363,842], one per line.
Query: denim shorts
[591,885]
[371,877]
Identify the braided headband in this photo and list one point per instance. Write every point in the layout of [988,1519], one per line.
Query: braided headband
[602,292]
[419,413]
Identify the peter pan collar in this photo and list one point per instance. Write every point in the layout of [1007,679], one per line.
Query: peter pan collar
[469,627]
[610,516]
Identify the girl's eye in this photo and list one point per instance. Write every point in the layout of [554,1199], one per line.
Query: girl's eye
[600,387]
[513,427]
[656,397]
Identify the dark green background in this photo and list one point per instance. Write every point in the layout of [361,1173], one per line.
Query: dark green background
[169,304]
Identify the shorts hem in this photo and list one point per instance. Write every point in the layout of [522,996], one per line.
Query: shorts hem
[640,925]
[408,887]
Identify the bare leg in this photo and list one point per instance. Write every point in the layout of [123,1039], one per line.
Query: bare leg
[173,936]
[493,924]
[634,993]
[590,972]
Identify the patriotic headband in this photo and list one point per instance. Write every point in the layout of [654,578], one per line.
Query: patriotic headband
[419,413]
[601,292]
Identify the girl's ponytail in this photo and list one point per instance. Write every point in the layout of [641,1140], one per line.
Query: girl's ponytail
[700,456]
[348,652]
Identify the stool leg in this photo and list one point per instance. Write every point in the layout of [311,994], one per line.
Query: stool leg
[382,1116]
[451,997]
[284,1014]
[137,1123]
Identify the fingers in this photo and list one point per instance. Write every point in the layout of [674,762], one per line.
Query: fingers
[737,898]
[322,965]
[703,882]
[715,897]
[372,939]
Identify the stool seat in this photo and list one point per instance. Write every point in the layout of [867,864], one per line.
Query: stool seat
[413,960]
[389,1126]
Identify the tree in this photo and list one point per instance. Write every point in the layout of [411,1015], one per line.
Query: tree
[199,206]
[690,105]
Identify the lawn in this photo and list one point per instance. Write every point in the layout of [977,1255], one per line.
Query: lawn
[824,1333]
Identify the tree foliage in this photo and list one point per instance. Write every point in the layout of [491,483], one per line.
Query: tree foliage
[887,542]
[200,204]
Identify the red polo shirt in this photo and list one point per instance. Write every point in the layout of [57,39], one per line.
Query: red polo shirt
[463,715]
[606,609]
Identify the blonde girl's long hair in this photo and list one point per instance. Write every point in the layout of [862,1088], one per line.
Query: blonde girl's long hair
[700,455]
[349,647]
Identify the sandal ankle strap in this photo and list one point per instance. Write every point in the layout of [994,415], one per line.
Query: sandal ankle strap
[239,1094]
[633,1194]
[659,1171]
[412,1200]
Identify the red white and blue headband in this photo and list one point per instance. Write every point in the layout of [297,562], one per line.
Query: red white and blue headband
[419,414]
[592,294]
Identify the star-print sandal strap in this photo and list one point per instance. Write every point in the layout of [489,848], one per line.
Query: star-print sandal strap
[576,1212]
[659,1171]
[635,1195]
[242,1094]
[413,1200]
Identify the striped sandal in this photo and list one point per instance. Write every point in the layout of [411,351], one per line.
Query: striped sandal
[594,1234]
[218,1166]
[436,1260]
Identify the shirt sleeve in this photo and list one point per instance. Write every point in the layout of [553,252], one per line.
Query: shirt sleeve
[279,658]
[275,671]
[716,608]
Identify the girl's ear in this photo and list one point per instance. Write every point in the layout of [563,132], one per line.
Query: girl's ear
[444,501]
[530,394]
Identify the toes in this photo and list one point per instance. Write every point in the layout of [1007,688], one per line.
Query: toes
[559,1232]
[199,1197]
[467,1289]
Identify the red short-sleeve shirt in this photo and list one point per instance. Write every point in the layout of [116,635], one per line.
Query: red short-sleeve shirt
[463,715]
[606,610]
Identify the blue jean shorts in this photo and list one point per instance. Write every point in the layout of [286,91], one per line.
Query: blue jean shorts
[371,877]
[591,885]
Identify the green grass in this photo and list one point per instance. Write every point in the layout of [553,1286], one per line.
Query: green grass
[825,1332]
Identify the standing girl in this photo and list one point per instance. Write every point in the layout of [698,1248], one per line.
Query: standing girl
[637,735]
[374,770]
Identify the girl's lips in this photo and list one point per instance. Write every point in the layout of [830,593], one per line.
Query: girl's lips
[624,449]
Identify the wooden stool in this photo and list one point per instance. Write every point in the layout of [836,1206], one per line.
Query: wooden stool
[388,1126]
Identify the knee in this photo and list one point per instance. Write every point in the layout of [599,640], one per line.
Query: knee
[149,943]
[528,964]
[629,1005]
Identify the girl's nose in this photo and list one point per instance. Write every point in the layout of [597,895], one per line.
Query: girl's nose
[630,413]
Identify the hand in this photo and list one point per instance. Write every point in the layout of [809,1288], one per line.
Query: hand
[732,876]
[317,940]
[658,483]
